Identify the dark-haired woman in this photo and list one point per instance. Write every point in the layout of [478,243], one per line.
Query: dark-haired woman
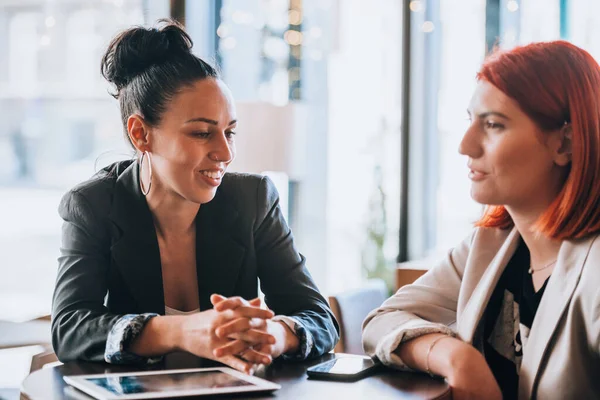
[514,310]
[164,253]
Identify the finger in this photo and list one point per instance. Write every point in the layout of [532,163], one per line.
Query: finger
[230,303]
[239,364]
[237,325]
[231,348]
[258,323]
[256,337]
[256,357]
[216,299]
[265,349]
[240,325]
[255,302]
[253,312]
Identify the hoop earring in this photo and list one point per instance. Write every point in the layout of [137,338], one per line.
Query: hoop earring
[146,153]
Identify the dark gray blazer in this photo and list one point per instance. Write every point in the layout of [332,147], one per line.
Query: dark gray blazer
[110,262]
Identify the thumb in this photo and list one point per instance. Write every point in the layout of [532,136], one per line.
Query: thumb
[216,299]
[255,302]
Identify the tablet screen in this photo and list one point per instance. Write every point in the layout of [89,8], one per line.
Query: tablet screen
[168,382]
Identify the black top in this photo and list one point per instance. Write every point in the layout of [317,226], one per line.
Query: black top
[515,286]
[110,262]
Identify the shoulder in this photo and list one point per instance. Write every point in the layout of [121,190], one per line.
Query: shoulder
[591,268]
[253,196]
[239,183]
[94,196]
[594,243]
[248,189]
[587,294]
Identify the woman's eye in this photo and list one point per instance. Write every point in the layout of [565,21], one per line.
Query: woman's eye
[230,134]
[492,125]
[201,134]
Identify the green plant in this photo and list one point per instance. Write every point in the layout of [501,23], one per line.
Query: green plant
[374,262]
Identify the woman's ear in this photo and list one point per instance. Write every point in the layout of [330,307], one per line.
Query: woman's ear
[139,132]
[564,148]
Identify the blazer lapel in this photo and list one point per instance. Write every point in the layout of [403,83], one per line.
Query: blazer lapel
[556,298]
[219,254]
[478,300]
[136,251]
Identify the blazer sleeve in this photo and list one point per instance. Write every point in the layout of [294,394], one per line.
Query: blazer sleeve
[80,321]
[82,327]
[288,287]
[427,306]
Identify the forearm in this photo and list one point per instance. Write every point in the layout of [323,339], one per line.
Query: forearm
[161,335]
[441,359]
[80,335]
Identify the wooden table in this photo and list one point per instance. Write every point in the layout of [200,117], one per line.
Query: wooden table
[48,384]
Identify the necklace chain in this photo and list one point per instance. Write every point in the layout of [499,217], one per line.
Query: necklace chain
[531,270]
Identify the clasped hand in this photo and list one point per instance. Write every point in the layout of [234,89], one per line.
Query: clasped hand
[236,332]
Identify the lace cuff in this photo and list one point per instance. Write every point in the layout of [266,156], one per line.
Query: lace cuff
[304,336]
[123,332]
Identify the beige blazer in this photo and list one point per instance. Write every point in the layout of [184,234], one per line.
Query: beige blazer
[562,357]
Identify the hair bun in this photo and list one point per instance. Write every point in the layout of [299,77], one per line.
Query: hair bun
[137,49]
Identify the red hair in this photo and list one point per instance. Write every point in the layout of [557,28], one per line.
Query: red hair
[556,83]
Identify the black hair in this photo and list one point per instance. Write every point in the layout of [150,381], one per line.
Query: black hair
[148,66]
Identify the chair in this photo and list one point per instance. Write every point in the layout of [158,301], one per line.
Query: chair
[406,276]
[351,308]
[409,271]
[21,334]
[29,333]
[46,358]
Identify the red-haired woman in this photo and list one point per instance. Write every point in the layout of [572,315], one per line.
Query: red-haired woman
[514,310]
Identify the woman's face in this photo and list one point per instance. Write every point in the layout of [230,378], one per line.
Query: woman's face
[194,143]
[511,161]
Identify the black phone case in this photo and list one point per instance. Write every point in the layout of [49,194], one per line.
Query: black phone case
[341,377]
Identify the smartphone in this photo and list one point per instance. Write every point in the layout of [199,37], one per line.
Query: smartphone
[344,368]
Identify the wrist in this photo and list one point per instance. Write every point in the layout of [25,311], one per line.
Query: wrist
[176,329]
[459,358]
[169,330]
[158,337]
[191,336]
[289,340]
[433,343]
[440,354]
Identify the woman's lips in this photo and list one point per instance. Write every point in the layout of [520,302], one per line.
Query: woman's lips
[212,177]
[475,175]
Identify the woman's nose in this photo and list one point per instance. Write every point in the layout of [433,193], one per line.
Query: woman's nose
[222,150]
[469,144]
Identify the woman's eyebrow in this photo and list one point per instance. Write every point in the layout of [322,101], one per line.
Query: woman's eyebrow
[489,114]
[208,120]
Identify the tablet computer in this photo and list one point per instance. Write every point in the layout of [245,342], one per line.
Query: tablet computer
[169,383]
